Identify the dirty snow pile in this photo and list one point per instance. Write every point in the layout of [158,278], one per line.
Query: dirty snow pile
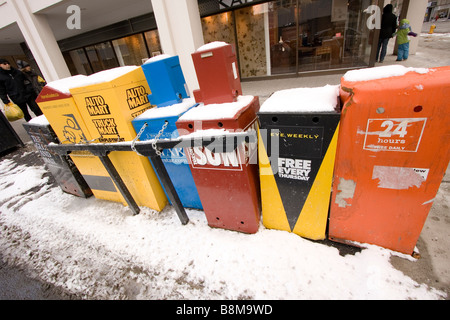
[98,249]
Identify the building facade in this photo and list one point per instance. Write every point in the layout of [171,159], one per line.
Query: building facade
[272,38]
[438,10]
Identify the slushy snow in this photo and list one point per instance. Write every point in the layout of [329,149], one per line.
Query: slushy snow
[98,249]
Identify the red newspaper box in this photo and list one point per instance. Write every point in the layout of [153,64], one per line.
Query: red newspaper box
[217,72]
[392,154]
[227,182]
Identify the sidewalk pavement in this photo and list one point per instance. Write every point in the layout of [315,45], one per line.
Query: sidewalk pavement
[442,26]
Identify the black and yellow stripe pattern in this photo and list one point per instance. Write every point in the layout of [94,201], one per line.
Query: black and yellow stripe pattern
[296,179]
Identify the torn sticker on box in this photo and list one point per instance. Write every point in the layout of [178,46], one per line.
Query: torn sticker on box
[399,178]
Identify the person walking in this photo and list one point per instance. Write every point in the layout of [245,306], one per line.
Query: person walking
[403,33]
[15,87]
[388,28]
[36,80]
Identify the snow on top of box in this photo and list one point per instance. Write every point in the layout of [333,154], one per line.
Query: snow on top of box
[321,99]
[158,58]
[41,120]
[105,76]
[169,111]
[381,73]
[212,45]
[217,110]
[108,75]
[64,85]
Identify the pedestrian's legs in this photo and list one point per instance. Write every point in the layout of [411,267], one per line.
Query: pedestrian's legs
[400,52]
[24,108]
[34,106]
[378,49]
[406,51]
[384,46]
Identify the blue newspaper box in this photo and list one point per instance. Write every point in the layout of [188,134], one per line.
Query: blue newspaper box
[166,80]
[174,159]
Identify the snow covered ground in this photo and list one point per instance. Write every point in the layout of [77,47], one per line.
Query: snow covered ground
[96,249]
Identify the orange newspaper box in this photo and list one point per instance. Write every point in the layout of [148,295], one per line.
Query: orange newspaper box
[217,72]
[392,154]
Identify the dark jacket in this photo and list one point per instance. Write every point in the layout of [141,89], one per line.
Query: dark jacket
[33,77]
[15,85]
[388,23]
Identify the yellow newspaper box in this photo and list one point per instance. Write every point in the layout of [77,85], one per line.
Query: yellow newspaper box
[58,106]
[108,102]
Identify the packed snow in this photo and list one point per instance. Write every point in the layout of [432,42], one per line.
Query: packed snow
[158,58]
[105,76]
[169,111]
[217,110]
[212,45]
[64,85]
[98,249]
[78,81]
[39,121]
[321,99]
[381,73]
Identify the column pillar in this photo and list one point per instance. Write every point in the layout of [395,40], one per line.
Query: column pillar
[414,11]
[180,32]
[41,41]
[415,15]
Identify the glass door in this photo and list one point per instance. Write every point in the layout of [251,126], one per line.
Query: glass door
[131,50]
[102,56]
[283,39]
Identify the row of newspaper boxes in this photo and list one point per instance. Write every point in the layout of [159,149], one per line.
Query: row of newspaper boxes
[358,162]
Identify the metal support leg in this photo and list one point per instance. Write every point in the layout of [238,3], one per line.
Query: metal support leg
[120,184]
[147,149]
[170,189]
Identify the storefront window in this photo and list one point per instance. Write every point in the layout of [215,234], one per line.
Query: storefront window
[219,27]
[77,62]
[321,30]
[131,50]
[293,36]
[153,43]
[358,41]
[282,26]
[251,37]
[102,56]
